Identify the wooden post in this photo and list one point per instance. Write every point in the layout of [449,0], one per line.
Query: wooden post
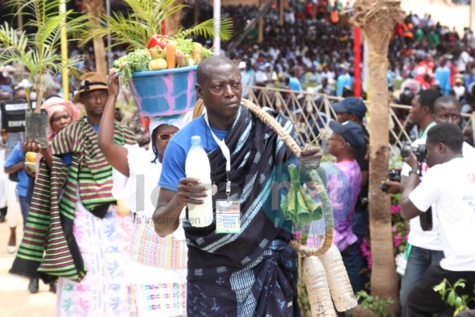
[96,8]
[357,61]
[173,22]
[281,12]
[196,13]
[377,18]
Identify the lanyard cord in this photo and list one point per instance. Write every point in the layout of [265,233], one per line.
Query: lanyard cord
[226,153]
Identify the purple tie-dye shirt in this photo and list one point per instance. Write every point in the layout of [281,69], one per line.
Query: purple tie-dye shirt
[344,235]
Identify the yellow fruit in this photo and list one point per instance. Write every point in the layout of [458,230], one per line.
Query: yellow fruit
[157,64]
[30,157]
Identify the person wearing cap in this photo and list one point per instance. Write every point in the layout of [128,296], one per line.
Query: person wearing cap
[83,237]
[347,137]
[354,109]
[459,88]
[157,266]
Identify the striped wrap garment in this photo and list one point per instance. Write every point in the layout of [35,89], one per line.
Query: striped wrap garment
[48,246]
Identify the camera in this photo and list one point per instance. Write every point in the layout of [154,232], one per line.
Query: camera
[393,176]
[420,152]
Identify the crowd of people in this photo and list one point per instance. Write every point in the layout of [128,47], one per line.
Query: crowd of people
[146,258]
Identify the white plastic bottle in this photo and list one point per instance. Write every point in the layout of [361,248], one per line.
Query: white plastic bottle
[197,166]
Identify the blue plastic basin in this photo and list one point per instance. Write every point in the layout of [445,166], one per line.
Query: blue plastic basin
[164,92]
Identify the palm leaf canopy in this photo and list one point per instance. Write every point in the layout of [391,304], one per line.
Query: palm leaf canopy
[39,51]
[145,20]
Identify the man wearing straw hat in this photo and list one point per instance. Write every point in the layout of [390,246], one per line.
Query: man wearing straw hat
[83,236]
[251,271]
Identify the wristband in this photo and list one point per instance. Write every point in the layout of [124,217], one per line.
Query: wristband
[413,171]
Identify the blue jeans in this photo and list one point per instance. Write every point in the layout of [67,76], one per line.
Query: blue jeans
[417,264]
[25,208]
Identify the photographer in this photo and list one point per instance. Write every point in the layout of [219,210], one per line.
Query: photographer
[424,247]
[449,185]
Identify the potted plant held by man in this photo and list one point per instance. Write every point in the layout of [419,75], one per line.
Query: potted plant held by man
[36,51]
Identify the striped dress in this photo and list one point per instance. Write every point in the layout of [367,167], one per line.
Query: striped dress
[73,231]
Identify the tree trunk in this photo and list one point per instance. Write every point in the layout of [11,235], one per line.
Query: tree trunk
[173,23]
[377,19]
[96,8]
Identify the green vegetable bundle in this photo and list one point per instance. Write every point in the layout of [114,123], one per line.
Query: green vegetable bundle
[299,206]
[135,61]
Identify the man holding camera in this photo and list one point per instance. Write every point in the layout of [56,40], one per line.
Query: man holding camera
[424,247]
[449,186]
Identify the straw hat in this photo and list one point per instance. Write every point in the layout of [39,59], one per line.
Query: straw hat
[89,82]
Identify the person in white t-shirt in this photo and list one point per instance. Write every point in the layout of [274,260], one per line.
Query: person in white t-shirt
[447,110]
[424,247]
[449,185]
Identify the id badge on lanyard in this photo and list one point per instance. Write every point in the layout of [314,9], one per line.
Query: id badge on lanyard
[228,214]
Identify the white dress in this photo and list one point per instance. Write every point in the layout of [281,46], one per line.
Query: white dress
[156,270]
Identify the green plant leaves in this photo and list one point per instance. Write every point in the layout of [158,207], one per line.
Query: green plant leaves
[144,21]
[39,51]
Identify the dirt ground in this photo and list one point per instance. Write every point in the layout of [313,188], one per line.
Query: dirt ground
[15,299]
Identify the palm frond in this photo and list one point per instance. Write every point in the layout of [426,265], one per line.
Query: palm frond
[40,53]
[145,20]
[206,29]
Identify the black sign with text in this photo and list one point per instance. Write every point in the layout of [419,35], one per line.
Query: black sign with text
[13,114]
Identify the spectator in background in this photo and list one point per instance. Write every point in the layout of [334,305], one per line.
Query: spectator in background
[347,137]
[459,88]
[15,164]
[248,77]
[463,61]
[261,77]
[469,77]
[424,247]
[270,74]
[294,83]
[14,139]
[118,114]
[344,80]
[354,109]
[324,88]
[442,76]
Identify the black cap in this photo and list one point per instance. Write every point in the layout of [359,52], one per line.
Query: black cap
[350,131]
[352,105]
